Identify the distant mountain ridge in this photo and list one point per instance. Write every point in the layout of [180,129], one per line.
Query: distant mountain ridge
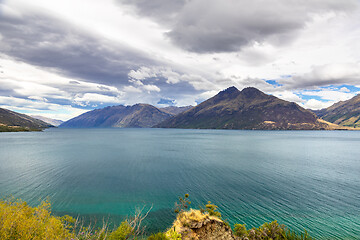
[173,110]
[246,109]
[13,121]
[136,116]
[343,113]
[229,109]
[54,122]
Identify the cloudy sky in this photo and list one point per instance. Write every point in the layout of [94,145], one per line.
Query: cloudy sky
[62,58]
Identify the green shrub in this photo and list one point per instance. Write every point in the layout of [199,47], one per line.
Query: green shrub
[123,232]
[173,235]
[211,209]
[269,231]
[240,230]
[158,236]
[290,235]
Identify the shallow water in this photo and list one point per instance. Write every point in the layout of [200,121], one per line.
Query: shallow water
[304,179]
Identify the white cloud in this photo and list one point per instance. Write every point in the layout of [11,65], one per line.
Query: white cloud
[206,95]
[142,73]
[88,98]
[289,96]
[151,88]
[131,89]
[197,81]
[330,95]
[171,76]
[344,89]
[316,104]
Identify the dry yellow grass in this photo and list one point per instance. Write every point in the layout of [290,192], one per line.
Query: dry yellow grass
[333,126]
[186,219]
[20,221]
[269,122]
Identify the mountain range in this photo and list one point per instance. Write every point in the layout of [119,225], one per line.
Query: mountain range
[136,116]
[13,122]
[343,113]
[229,109]
[246,109]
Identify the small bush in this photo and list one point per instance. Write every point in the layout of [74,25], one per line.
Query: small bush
[211,209]
[123,232]
[20,221]
[240,230]
[268,231]
[158,236]
[173,235]
[290,235]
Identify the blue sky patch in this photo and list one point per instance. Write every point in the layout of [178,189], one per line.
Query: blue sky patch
[166,101]
[352,88]
[274,83]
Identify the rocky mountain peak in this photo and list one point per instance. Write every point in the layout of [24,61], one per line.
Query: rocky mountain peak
[248,109]
[251,92]
[231,92]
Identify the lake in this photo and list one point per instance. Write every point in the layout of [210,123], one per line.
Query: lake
[303,179]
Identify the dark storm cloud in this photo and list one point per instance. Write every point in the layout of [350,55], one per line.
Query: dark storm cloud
[47,42]
[223,26]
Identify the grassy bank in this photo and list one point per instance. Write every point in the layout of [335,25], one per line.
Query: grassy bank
[18,220]
[5,128]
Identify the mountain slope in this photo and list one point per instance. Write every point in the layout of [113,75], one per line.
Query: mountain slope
[54,122]
[246,109]
[343,113]
[13,121]
[136,116]
[173,110]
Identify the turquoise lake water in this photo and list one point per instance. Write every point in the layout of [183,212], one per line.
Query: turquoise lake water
[304,179]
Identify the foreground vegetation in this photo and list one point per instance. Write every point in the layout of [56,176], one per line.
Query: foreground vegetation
[18,220]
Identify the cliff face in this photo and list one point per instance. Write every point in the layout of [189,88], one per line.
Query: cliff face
[194,225]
